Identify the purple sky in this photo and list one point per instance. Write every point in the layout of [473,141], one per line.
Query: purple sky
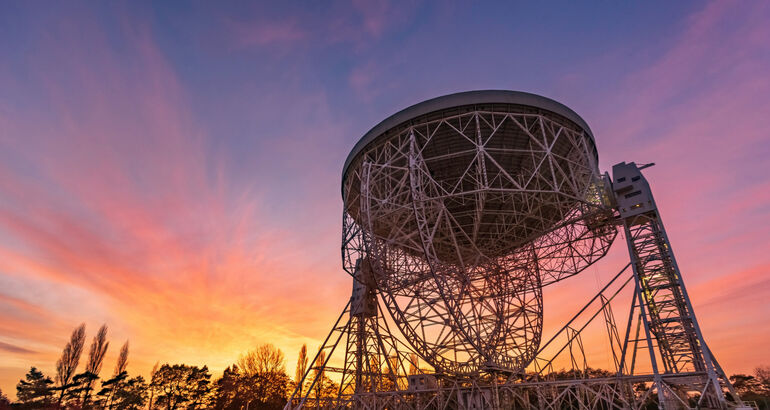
[173,168]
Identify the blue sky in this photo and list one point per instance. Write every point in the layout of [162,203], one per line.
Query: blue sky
[173,168]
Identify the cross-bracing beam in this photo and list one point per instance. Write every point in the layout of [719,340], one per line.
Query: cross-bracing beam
[661,321]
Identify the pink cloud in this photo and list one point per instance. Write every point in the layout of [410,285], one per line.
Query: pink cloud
[114,207]
[117,198]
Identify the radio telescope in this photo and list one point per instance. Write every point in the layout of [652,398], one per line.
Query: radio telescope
[457,212]
[465,209]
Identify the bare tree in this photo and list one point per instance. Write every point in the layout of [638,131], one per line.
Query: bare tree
[152,387]
[301,367]
[119,378]
[98,349]
[319,374]
[763,375]
[413,364]
[263,359]
[70,357]
[394,372]
[122,362]
[96,354]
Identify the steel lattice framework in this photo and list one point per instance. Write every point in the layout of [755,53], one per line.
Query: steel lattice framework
[461,270]
[457,212]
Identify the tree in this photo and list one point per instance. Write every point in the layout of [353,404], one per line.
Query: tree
[319,373]
[324,386]
[413,364]
[181,385]
[745,384]
[264,358]
[70,357]
[106,396]
[122,362]
[85,381]
[5,404]
[258,381]
[81,391]
[199,382]
[35,391]
[119,376]
[121,392]
[132,394]
[266,391]
[391,374]
[152,388]
[227,394]
[754,388]
[763,376]
[301,368]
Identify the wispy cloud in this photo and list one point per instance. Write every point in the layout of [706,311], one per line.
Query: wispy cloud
[14,349]
[184,196]
[119,197]
[266,32]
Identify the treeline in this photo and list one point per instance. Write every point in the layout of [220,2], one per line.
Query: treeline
[754,387]
[258,380]
[751,388]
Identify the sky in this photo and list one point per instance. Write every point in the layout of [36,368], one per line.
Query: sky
[172,169]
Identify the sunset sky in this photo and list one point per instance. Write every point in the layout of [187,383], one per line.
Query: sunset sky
[172,169]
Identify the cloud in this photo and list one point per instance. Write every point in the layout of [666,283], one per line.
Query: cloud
[266,33]
[116,209]
[14,349]
[119,205]
[698,111]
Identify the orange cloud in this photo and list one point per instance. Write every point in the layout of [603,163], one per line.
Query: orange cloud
[121,205]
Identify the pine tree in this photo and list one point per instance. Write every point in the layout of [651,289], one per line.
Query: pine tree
[35,390]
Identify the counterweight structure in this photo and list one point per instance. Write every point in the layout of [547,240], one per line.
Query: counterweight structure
[458,211]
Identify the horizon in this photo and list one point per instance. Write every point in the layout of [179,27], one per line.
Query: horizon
[175,172]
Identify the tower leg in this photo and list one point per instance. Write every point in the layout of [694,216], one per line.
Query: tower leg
[672,331]
[374,366]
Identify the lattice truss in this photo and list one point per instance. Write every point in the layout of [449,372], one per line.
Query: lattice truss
[373,368]
[453,223]
[463,216]
[670,318]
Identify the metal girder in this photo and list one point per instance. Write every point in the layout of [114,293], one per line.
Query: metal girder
[453,224]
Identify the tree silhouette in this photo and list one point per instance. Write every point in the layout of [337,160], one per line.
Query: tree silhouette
[69,360]
[119,376]
[96,353]
[264,358]
[152,388]
[745,384]
[5,404]
[319,373]
[261,384]
[106,396]
[257,381]
[199,382]
[181,385]
[35,391]
[122,362]
[228,390]
[413,364]
[301,368]
[236,390]
[132,395]
[324,386]
[763,375]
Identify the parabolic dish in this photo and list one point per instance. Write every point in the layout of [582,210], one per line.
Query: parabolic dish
[465,206]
